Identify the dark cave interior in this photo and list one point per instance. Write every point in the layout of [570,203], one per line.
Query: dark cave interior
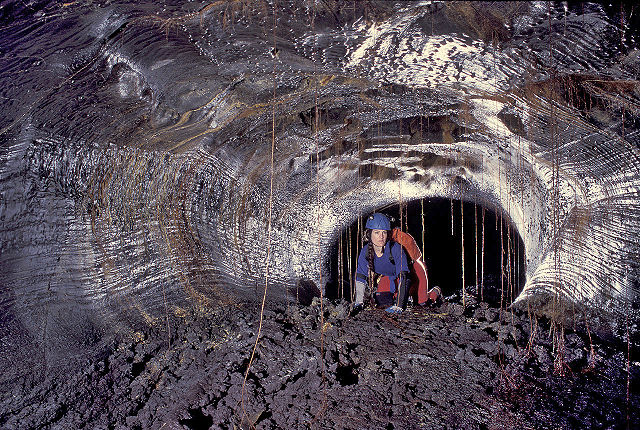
[449,224]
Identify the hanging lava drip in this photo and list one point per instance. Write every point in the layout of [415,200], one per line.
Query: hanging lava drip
[489,264]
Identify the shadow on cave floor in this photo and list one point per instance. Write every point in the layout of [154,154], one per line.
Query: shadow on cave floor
[446,367]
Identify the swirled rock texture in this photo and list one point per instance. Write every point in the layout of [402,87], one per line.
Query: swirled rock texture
[156,156]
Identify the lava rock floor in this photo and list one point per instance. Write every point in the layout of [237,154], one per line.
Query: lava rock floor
[454,367]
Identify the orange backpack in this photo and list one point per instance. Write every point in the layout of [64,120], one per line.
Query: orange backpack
[408,243]
[418,280]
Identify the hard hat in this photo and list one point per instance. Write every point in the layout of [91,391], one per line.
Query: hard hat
[378,221]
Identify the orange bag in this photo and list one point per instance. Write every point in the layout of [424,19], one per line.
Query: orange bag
[418,281]
[408,243]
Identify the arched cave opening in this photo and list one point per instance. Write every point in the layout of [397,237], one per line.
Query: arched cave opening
[493,260]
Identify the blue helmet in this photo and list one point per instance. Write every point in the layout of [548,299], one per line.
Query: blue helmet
[378,221]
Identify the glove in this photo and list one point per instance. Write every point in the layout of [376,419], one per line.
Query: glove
[394,309]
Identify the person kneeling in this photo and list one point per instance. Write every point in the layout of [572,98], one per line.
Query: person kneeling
[383,265]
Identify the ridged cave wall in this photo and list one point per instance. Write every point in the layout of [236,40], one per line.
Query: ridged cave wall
[158,155]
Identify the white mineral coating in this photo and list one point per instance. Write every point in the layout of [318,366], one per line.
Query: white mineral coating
[137,172]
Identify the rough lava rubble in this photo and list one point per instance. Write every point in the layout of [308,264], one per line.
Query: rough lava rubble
[472,367]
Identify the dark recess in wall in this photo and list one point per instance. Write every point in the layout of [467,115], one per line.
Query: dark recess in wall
[443,250]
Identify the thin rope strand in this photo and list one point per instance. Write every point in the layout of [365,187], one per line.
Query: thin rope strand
[269,226]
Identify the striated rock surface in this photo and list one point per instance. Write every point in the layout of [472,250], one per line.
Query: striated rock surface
[161,157]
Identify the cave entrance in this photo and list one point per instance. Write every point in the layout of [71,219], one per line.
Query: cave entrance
[492,264]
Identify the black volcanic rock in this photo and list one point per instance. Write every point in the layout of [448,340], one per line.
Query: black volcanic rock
[427,368]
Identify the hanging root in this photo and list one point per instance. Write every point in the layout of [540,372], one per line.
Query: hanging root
[533,327]
[592,356]
[560,366]
[230,10]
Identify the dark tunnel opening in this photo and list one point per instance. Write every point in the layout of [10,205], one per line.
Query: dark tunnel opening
[494,254]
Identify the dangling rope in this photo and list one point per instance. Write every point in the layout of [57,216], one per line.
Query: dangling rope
[462,250]
[501,265]
[269,218]
[349,256]
[340,269]
[511,260]
[352,292]
[422,218]
[451,204]
[482,260]
[475,242]
[323,406]
[422,200]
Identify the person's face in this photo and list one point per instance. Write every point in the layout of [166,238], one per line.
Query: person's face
[379,237]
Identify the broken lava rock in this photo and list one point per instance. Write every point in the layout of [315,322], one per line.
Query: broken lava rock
[446,367]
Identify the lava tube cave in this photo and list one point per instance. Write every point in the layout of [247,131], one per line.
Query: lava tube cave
[183,186]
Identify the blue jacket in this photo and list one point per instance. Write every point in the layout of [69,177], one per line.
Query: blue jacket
[382,265]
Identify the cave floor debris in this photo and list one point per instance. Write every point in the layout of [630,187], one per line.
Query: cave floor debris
[443,367]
